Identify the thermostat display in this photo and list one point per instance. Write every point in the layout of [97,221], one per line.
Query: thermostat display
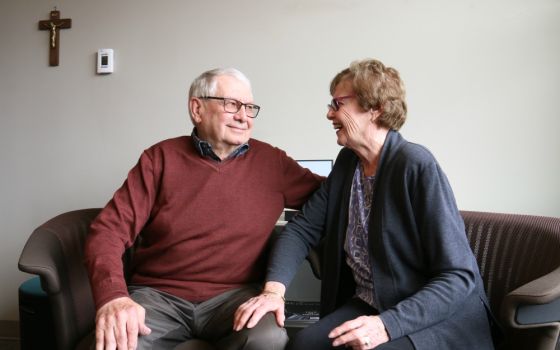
[105,62]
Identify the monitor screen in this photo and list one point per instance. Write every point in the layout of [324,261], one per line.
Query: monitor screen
[318,166]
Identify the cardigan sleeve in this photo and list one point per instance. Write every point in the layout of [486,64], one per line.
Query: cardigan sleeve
[300,234]
[448,263]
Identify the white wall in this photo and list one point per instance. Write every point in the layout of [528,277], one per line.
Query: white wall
[483,80]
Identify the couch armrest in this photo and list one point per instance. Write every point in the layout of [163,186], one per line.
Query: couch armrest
[538,314]
[37,258]
[519,306]
[54,251]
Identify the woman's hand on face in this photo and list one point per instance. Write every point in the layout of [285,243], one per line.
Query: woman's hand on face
[364,332]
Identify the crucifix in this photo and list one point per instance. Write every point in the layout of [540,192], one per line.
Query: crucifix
[53,25]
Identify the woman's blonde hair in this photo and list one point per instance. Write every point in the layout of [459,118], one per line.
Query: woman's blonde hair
[376,87]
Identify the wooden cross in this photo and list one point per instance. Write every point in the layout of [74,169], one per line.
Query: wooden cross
[54,24]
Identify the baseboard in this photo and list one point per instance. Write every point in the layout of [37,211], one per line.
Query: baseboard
[9,330]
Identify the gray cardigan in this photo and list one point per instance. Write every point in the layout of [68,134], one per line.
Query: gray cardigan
[426,279]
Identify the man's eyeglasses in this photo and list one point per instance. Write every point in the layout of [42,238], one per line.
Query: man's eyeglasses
[337,102]
[232,105]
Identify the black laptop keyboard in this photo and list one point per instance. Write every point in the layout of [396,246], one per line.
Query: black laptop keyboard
[302,310]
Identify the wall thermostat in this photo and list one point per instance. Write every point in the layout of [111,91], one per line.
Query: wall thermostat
[105,62]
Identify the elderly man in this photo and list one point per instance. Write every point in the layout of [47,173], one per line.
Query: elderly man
[205,205]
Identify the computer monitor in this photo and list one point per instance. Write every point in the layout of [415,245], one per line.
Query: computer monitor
[318,166]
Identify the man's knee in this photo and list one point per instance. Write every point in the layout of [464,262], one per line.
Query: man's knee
[266,335]
[274,338]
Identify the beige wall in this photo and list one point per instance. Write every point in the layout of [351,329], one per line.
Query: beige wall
[483,81]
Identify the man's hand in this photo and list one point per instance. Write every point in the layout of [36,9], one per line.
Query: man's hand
[271,299]
[118,324]
[364,332]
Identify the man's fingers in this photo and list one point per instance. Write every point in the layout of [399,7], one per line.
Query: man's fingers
[142,328]
[118,324]
[132,335]
[105,334]
[99,338]
[110,342]
[145,330]
[121,334]
[135,324]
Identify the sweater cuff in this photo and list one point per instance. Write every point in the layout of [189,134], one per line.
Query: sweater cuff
[274,277]
[107,291]
[391,324]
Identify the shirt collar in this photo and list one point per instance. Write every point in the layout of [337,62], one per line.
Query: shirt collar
[204,148]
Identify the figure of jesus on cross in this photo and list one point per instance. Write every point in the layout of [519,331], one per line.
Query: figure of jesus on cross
[54,24]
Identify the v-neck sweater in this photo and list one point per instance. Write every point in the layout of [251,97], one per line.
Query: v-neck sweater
[203,225]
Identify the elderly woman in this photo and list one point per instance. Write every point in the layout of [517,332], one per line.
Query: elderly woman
[398,272]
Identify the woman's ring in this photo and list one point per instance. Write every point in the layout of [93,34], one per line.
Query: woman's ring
[366,340]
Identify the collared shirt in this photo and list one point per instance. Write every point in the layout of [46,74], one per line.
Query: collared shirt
[205,148]
[356,245]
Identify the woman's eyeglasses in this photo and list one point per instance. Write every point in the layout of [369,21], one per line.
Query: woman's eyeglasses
[336,102]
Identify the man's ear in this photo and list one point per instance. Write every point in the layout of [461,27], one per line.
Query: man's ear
[195,106]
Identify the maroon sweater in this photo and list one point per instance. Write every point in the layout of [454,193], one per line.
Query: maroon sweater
[204,224]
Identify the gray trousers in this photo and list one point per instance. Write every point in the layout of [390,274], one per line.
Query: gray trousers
[174,320]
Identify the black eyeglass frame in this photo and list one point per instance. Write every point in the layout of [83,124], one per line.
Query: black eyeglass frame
[239,104]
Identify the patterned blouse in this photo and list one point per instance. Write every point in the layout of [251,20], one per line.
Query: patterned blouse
[356,243]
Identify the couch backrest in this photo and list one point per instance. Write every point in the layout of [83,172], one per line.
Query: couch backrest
[512,250]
